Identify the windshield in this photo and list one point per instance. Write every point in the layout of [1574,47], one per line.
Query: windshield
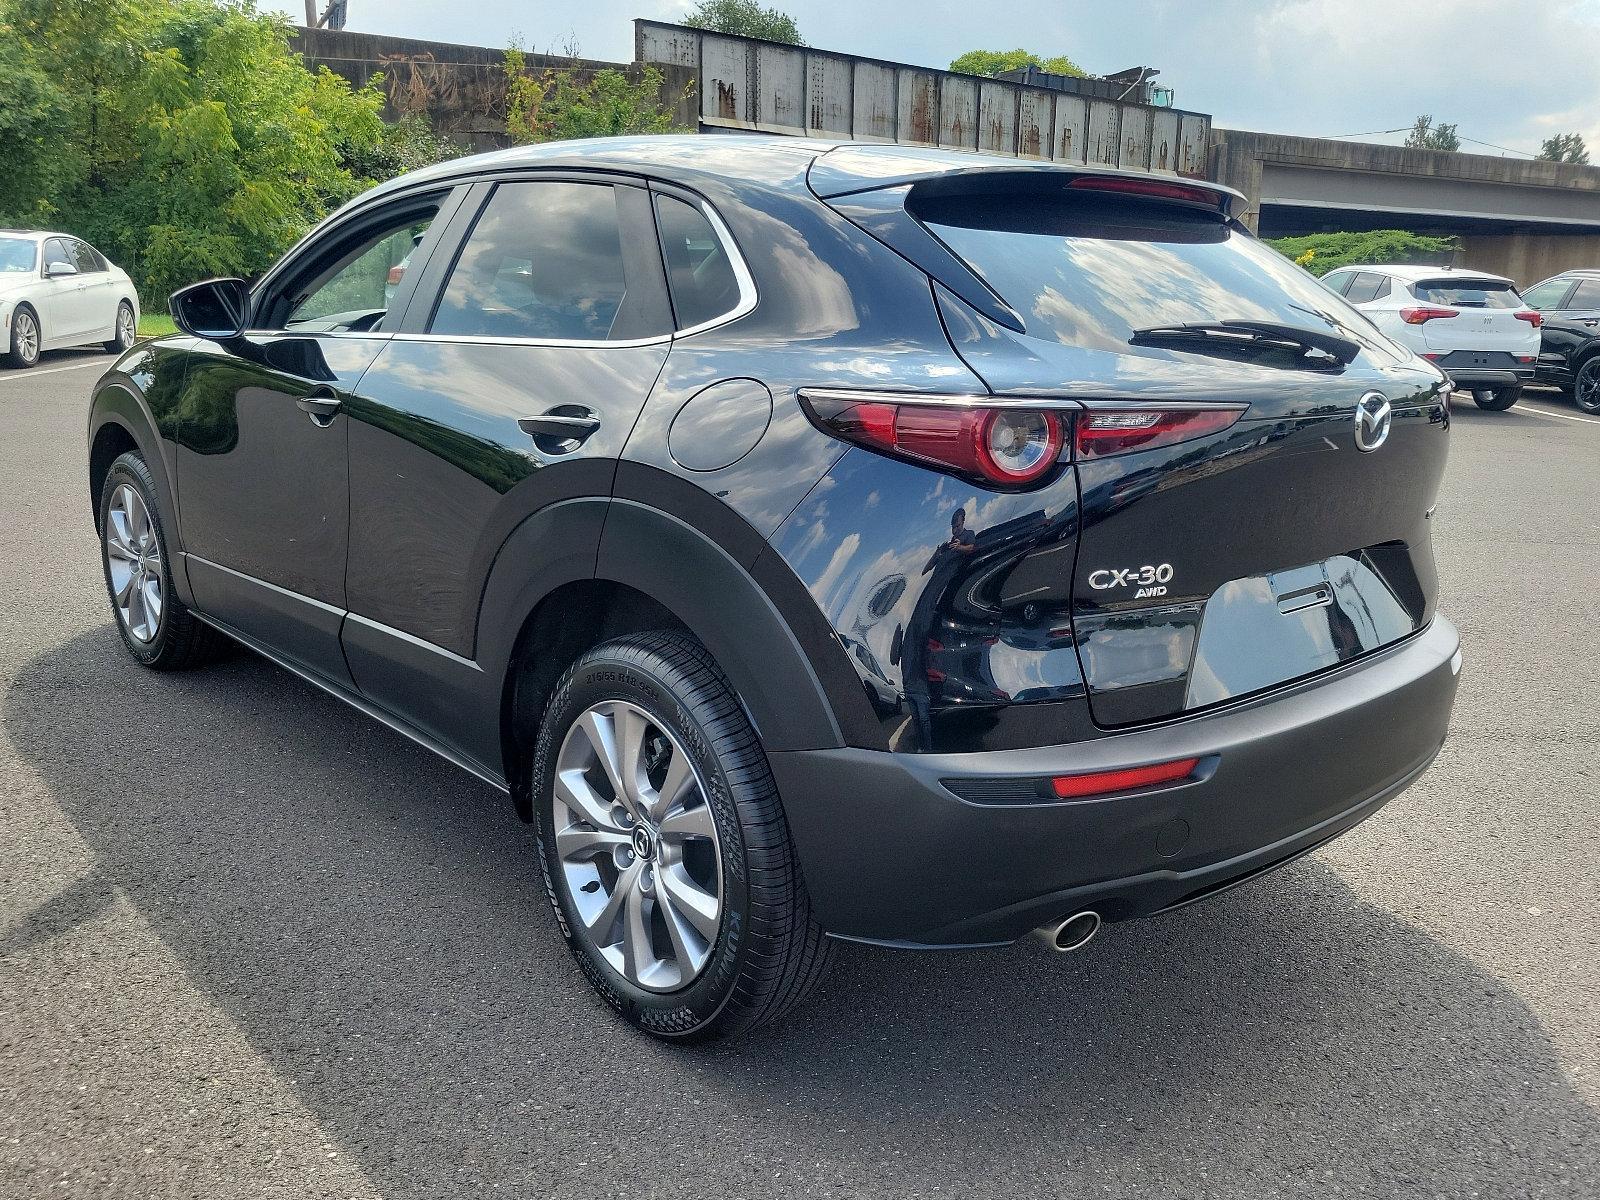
[1091,272]
[1467,293]
[17,255]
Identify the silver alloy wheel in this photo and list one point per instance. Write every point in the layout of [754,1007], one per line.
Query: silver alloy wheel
[133,562]
[1586,388]
[26,332]
[638,846]
[125,330]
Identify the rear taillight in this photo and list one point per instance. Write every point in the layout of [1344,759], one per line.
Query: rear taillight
[998,447]
[396,274]
[1421,316]
[1533,318]
[1005,446]
[1104,432]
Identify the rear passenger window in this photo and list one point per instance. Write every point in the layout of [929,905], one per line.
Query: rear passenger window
[1367,286]
[85,259]
[1339,281]
[699,272]
[544,261]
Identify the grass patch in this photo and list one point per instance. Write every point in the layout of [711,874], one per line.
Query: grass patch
[155,325]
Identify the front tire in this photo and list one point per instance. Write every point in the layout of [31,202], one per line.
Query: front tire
[1496,399]
[25,338]
[155,626]
[126,331]
[1586,386]
[664,847]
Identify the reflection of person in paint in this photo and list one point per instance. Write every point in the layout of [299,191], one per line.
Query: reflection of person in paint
[961,541]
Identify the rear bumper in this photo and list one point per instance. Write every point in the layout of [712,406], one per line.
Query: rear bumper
[1483,377]
[1496,368]
[891,855]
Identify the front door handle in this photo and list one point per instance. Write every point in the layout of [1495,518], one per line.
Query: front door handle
[321,406]
[561,430]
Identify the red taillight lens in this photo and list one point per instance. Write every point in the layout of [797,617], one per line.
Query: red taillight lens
[396,274]
[1104,432]
[999,447]
[1100,783]
[1421,316]
[1533,318]
[1146,187]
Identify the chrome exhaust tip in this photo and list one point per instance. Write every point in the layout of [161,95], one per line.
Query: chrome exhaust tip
[1073,933]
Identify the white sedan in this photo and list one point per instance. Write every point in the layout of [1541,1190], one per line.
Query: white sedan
[1472,325]
[58,291]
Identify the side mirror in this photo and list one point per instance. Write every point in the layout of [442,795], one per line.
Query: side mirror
[216,309]
[59,270]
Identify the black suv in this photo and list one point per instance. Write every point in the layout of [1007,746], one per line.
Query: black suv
[815,541]
[1569,351]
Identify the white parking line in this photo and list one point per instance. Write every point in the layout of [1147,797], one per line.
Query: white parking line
[16,376]
[1545,412]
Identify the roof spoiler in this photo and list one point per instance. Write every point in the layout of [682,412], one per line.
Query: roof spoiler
[846,170]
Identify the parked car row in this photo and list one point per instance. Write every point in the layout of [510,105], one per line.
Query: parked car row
[1476,328]
[57,291]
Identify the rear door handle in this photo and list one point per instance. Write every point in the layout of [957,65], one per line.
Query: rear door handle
[561,430]
[321,406]
[555,425]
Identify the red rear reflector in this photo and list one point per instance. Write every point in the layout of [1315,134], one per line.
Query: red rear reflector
[1420,316]
[1535,319]
[1147,187]
[1433,357]
[1527,358]
[1103,432]
[1100,783]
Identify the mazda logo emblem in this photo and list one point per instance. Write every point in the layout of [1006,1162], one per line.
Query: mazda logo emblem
[643,844]
[1373,418]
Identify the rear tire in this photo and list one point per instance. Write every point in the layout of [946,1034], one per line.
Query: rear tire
[156,627]
[26,338]
[1496,399]
[1586,386]
[691,920]
[126,332]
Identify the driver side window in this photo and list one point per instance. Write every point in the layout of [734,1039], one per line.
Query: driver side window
[348,287]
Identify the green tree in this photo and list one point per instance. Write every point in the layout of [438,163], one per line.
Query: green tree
[568,103]
[191,141]
[31,110]
[1425,135]
[1565,147]
[408,144]
[1320,253]
[993,62]
[745,18]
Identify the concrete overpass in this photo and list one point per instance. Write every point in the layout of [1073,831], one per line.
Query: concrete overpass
[1521,218]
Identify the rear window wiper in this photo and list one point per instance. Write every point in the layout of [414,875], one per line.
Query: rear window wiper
[1238,338]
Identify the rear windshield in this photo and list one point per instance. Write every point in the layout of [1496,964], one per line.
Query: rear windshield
[1089,272]
[1467,293]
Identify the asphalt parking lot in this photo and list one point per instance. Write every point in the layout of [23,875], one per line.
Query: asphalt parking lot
[256,945]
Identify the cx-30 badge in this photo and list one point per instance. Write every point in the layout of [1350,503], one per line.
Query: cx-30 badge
[1373,418]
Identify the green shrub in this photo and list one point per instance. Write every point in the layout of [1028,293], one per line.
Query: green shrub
[1320,253]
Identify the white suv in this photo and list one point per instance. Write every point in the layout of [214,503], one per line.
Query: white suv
[1472,326]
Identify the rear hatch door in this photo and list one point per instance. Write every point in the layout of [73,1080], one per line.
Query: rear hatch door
[1486,316]
[1271,520]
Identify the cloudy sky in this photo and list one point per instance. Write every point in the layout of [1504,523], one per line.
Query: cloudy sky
[1507,73]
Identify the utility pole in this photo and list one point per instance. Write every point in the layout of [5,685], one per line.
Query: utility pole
[311,14]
